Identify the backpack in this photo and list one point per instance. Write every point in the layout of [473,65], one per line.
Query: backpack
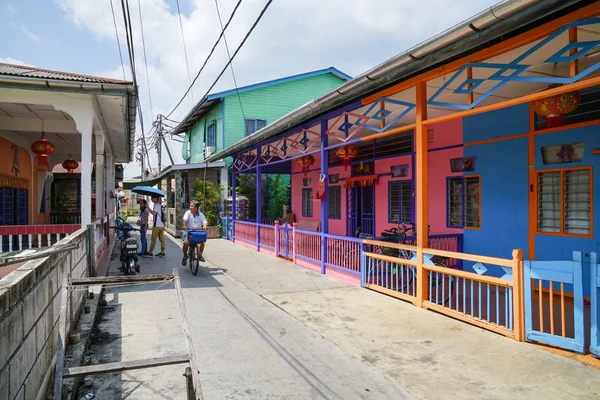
[162,215]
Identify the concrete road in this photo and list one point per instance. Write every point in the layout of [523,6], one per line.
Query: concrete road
[248,348]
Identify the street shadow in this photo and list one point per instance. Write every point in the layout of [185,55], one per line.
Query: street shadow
[107,334]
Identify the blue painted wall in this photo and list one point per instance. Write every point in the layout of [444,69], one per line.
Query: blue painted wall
[549,247]
[503,167]
[504,177]
[495,124]
[504,182]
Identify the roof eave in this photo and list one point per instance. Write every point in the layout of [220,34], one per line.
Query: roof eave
[465,38]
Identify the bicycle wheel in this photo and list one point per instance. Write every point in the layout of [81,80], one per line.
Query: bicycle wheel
[193,258]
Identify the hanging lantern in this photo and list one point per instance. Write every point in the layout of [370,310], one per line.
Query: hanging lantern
[346,153]
[305,162]
[70,165]
[43,148]
[554,107]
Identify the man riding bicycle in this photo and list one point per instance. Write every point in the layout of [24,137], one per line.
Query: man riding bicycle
[193,219]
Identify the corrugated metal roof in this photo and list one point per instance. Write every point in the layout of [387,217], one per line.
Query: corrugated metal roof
[206,103]
[33,72]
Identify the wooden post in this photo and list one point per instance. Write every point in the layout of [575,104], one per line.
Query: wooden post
[518,311]
[91,249]
[421,189]
[324,202]
[188,338]
[294,246]
[277,238]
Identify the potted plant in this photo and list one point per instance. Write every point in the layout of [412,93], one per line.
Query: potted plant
[209,197]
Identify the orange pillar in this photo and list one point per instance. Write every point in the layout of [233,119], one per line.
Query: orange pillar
[421,189]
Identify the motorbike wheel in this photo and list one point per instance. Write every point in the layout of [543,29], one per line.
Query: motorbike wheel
[131,266]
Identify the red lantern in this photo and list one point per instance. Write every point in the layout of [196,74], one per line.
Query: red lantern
[346,153]
[43,148]
[70,165]
[554,107]
[305,162]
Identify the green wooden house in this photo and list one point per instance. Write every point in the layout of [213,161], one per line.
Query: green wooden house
[221,119]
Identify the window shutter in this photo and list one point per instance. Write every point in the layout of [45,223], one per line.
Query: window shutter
[577,202]
[472,202]
[394,202]
[454,196]
[250,127]
[334,202]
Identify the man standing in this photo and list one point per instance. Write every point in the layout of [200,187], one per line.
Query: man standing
[158,230]
[193,219]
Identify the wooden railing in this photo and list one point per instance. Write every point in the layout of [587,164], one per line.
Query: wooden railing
[492,303]
[22,237]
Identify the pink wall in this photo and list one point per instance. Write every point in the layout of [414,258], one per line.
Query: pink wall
[444,134]
[336,226]
[382,189]
[297,186]
[441,135]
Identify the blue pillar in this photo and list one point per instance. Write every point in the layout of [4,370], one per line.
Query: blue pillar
[258,199]
[324,202]
[233,205]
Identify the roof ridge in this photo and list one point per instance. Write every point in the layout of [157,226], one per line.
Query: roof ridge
[36,69]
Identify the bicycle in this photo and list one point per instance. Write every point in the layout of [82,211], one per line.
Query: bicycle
[406,279]
[195,237]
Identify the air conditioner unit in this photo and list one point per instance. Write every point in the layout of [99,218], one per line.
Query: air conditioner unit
[208,151]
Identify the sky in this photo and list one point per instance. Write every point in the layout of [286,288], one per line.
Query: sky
[293,37]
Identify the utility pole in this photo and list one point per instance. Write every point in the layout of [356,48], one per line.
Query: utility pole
[159,141]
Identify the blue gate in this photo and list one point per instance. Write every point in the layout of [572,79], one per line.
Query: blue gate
[545,295]
[595,309]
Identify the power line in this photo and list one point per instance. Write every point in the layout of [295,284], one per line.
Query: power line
[229,55]
[130,48]
[118,41]
[207,58]
[262,13]
[145,60]
[184,49]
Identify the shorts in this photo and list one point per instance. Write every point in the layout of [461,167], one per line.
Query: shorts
[184,236]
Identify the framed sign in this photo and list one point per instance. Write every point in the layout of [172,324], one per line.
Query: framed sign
[463,164]
[399,171]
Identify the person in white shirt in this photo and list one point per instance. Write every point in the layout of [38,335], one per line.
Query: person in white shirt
[193,219]
[158,230]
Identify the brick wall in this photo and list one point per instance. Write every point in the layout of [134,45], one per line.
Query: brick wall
[30,303]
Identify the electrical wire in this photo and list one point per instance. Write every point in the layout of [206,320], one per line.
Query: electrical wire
[207,58]
[184,48]
[146,60]
[131,51]
[118,41]
[229,55]
[262,13]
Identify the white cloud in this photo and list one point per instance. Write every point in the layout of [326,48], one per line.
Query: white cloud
[11,9]
[294,36]
[31,35]
[14,61]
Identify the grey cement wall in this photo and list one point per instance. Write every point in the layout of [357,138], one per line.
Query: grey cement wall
[30,304]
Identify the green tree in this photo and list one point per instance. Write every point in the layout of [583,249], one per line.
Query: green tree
[209,200]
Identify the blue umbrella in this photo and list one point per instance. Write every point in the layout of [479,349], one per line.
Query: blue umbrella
[148,191]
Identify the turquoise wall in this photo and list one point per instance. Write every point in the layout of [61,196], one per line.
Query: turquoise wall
[199,129]
[272,102]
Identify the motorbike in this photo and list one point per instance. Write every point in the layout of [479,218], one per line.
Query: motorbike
[129,248]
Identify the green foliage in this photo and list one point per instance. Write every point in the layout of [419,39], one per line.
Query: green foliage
[277,195]
[209,200]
